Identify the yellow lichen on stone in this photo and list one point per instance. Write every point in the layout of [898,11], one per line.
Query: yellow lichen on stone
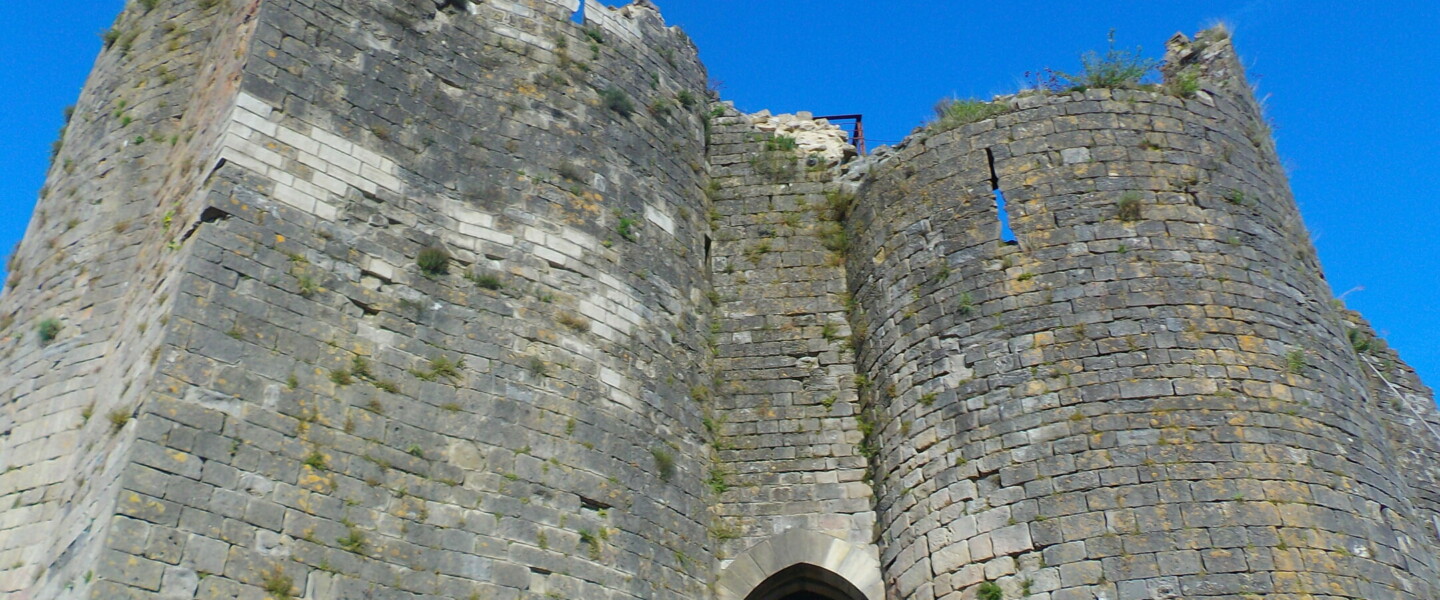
[315,481]
[1250,343]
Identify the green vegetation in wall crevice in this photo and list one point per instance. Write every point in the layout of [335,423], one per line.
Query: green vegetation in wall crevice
[48,329]
[279,585]
[664,462]
[779,160]
[955,112]
[617,100]
[1116,68]
[433,261]
[832,232]
[1127,208]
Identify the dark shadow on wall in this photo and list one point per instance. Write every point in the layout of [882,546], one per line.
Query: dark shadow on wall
[805,582]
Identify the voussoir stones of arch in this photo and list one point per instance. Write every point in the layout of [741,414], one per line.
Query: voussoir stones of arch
[858,564]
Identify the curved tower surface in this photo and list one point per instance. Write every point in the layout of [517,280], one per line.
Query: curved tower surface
[1150,393]
[354,299]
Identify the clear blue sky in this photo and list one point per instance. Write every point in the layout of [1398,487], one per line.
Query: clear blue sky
[1354,92]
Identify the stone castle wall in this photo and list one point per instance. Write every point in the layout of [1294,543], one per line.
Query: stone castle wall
[549,456]
[670,356]
[101,259]
[1155,404]
[326,415]
[789,450]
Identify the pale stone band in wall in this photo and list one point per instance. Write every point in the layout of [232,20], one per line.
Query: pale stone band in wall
[332,163]
[860,565]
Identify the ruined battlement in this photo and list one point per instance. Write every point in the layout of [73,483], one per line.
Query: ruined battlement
[374,299]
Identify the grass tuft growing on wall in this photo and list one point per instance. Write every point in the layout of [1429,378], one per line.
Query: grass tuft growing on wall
[433,261]
[1117,68]
[48,330]
[617,100]
[279,585]
[1128,207]
[954,112]
[664,462]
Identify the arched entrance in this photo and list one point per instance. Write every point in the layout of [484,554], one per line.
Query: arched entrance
[805,582]
[803,565]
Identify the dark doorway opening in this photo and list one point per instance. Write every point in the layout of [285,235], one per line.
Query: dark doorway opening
[805,582]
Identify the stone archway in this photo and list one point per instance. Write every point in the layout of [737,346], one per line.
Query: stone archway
[805,581]
[803,565]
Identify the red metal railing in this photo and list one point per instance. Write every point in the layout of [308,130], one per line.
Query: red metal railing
[857,129]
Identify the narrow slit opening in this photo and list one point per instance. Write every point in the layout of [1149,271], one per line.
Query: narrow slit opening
[212,214]
[368,310]
[592,504]
[1007,235]
[579,17]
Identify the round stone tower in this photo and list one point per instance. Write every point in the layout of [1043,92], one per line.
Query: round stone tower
[1148,393]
